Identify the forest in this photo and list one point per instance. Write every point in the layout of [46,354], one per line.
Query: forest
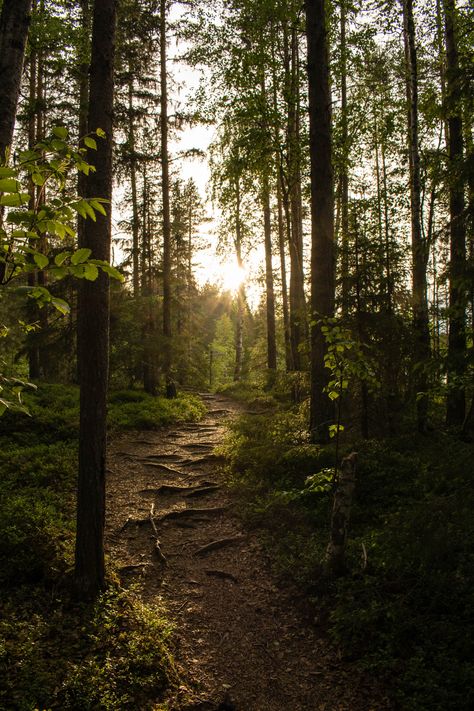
[236,355]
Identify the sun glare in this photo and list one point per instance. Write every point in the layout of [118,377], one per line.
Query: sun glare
[230,276]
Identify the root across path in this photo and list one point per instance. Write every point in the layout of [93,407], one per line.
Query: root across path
[241,640]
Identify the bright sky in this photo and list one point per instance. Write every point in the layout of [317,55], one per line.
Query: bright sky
[220,269]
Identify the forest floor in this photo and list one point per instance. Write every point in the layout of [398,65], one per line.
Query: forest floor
[242,638]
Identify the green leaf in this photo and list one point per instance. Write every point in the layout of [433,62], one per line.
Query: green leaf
[90,212]
[90,143]
[91,272]
[8,185]
[100,132]
[333,395]
[38,179]
[81,256]
[98,207]
[61,305]
[13,200]
[41,260]
[61,258]
[60,132]
[7,172]
[112,271]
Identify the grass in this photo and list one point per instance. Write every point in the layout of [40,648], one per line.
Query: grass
[405,615]
[55,654]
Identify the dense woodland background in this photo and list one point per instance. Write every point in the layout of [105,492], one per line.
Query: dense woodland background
[342,153]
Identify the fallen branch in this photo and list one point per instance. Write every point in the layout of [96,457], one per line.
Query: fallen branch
[216,545]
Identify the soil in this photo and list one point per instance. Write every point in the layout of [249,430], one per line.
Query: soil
[242,640]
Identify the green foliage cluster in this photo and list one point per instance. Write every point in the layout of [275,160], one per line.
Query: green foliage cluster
[135,410]
[111,656]
[403,611]
[54,654]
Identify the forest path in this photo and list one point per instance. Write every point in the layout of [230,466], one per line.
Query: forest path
[241,640]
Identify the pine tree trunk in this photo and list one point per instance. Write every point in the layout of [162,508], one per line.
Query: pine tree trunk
[419,250]
[281,225]
[322,212]
[239,329]
[133,185]
[32,338]
[14,23]
[93,319]
[344,177]
[456,398]
[165,191]
[270,297]
[293,197]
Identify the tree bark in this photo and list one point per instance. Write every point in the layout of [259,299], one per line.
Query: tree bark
[93,319]
[14,24]
[270,297]
[344,176]
[165,191]
[239,329]
[322,212]
[419,249]
[456,398]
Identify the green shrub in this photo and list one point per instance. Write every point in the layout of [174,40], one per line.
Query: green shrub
[153,412]
[112,656]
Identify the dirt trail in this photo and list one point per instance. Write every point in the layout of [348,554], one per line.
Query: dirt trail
[241,640]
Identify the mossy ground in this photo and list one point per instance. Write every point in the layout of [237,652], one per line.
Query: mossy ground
[54,653]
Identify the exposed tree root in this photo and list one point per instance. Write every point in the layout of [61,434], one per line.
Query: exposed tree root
[162,467]
[216,545]
[202,490]
[224,575]
[158,550]
[184,513]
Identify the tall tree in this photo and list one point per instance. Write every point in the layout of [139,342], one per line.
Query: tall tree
[322,210]
[14,23]
[456,399]
[165,188]
[419,248]
[93,318]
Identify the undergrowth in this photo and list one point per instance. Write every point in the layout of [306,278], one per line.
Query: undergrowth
[53,653]
[404,610]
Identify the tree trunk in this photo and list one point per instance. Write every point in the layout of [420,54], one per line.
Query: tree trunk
[14,23]
[344,177]
[456,398]
[93,319]
[239,330]
[165,191]
[322,212]
[297,298]
[32,308]
[281,225]
[419,250]
[133,185]
[270,297]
